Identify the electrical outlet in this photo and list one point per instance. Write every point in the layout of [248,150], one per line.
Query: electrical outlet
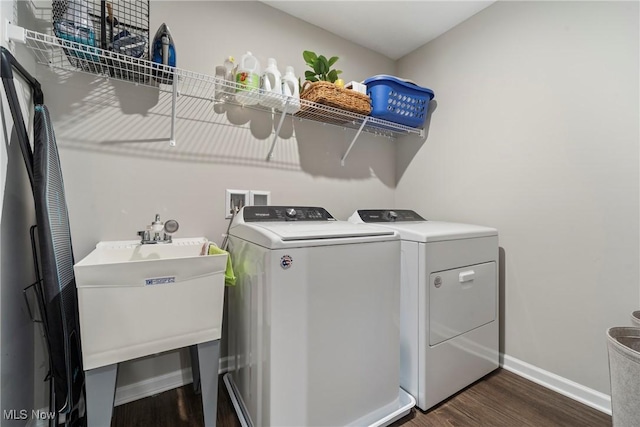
[234,200]
[259,198]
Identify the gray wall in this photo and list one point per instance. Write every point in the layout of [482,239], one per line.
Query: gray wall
[16,267]
[119,169]
[536,133]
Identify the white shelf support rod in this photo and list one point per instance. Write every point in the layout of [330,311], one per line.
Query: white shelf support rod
[174,101]
[353,141]
[275,137]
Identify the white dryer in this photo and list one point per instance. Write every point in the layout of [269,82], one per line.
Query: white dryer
[449,302]
[314,320]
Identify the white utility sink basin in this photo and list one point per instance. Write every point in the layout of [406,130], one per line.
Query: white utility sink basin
[135,300]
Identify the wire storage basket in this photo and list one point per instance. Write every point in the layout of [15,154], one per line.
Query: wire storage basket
[119,28]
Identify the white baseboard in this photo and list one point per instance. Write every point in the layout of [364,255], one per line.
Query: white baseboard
[151,386]
[564,386]
[155,385]
[146,388]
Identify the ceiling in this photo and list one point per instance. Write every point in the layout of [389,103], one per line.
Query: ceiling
[392,28]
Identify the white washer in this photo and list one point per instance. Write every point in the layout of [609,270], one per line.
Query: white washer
[314,320]
[449,302]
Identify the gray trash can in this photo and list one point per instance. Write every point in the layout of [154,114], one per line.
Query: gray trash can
[635,318]
[624,370]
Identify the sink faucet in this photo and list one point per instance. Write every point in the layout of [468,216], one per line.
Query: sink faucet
[158,232]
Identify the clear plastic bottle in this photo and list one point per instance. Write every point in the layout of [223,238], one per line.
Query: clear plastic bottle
[220,83]
[225,79]
[291,91]
[230,74]
[248,80]
[271,85]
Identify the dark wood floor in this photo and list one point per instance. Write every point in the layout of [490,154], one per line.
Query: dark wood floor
[499,399]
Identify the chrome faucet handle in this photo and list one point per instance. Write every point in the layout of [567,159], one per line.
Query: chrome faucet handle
[144,236]
[157,226]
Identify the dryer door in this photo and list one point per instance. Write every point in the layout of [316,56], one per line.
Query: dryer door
[460,300]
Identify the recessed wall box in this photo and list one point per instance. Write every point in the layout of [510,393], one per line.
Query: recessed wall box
[234,200]
[259,198]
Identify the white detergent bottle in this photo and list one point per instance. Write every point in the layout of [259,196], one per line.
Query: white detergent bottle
[271,86]
[248,80]
[291,91]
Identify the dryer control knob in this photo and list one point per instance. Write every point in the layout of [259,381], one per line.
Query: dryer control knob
[437,282]
[291,213]
[390,216]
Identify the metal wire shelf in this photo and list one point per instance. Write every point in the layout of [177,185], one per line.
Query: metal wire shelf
[75,57]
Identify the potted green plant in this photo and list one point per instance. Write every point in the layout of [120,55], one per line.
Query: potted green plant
[320,67]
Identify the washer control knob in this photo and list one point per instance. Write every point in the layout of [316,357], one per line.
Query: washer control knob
[291,213]
[437,282]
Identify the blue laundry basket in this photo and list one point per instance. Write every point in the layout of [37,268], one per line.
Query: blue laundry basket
[397,100]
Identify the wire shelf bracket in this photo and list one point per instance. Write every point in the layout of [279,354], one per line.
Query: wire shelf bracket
[275,137]
[353,141]
[75,57]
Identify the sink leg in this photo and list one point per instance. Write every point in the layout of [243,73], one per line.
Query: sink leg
[101,389]
[195,368]
[208,355]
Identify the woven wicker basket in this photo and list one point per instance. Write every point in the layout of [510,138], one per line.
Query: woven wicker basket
[329,94]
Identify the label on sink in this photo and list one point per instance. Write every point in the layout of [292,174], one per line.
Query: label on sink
[159,280]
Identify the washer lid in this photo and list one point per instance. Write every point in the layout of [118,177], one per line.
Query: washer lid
[334,230]
[280,229]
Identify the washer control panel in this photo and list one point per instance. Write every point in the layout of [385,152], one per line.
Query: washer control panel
[285,213]
[389,215]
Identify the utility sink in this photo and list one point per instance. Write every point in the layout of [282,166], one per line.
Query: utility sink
[135,300]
